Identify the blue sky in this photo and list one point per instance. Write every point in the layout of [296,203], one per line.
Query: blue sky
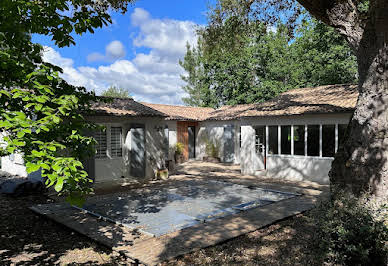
[139,51]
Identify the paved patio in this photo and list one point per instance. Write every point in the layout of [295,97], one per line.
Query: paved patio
[137,223]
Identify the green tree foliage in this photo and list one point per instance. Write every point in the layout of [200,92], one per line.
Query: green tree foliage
[321,56]
[352,230]
[116,92]
[40,113]
[239,60]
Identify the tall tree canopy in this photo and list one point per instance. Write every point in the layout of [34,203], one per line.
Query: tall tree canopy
[41,114]
[235,63]
[116,92]
[361,164]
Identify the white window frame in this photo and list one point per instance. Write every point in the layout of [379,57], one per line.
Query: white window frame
[102,155]
[320,156]
[118,152]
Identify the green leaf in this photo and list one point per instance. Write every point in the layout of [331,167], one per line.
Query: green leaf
[19,143]
[30,167]
[44,166]
[20,134]
[37,153]
[59,185]
[56,119]
[51,148]
[38,107]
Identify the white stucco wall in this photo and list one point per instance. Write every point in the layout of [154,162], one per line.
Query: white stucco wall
[115,168]
[299,168]
[172,138]
[14,164]
[111,168]
[289,167]
[214,132]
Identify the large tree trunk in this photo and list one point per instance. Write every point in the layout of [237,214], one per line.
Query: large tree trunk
[361,164]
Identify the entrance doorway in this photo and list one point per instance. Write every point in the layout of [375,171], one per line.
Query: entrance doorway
[191,133]
[137,161]
[260,147]
[229,144]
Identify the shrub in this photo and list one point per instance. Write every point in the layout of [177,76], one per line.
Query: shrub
[212,149]
[179,148]
[353,230]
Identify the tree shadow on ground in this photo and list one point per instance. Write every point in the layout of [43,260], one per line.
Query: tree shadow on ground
[285,242]
[30,239]
[288,242]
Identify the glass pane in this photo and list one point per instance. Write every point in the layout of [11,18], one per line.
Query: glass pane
[328,140]
[239,136]
[166,142]
[260,139]
[101,146]
[299,140]
[273,140]
[286,140]
[341,133]
[313,140]
[116,142]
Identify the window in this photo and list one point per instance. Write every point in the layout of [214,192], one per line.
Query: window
[298,140]
[239,136]
[285,139]
[341,133]
[273,140]
[328,140]
[313,140]
[116,142]
[101,147]
[260,139]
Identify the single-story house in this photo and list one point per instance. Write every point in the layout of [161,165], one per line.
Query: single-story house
[293,136]
[184,126]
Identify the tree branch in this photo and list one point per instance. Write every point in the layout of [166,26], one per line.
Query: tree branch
[343,15]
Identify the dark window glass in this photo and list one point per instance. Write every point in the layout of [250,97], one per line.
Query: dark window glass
[260,139]
[299,140]
[328,140]
[341,133]
[273,140]
[166,141]
[239,134]
[285,140]
[313,140]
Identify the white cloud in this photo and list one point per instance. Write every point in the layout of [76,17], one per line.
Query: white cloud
[151,77]
[53,57]
[168,37]
[113,51]
[94,57]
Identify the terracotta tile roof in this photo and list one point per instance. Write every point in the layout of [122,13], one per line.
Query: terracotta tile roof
[178,112]
[323,99]
[125,107]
